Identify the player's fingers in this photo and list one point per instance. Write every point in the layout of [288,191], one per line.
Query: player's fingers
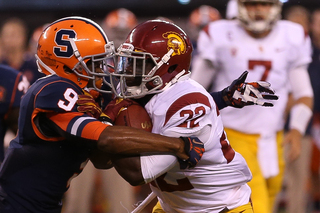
[85,99]
[87,108]
[262,86]
[270,97]
[242,78]
[267,104]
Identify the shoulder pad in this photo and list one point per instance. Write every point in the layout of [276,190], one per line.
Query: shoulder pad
[57,94]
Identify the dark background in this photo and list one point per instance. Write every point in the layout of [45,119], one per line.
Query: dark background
[39,12]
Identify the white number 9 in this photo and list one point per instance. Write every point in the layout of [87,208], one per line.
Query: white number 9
[71,96]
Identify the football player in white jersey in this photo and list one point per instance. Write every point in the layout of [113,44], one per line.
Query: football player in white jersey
[272,50]
[153,68]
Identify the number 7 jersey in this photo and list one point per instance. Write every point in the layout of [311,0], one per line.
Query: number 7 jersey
[231,50]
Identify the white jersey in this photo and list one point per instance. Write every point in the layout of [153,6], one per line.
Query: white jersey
[232,51]
[219,180]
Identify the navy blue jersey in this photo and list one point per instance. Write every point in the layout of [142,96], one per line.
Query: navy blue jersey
[41,161]
[12,86]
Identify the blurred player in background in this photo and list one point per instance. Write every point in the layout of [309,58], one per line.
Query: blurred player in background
[314,71]
[119,22]
[14,47]
[56,138]
[297,172]
[199,18]
[33,41]
[13,85]
[271,50]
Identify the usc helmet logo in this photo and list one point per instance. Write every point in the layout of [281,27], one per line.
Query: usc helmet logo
[175,42]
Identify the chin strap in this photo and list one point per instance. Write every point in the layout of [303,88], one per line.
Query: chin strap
[75,50]
[39,62]
[163,60]
[176,79]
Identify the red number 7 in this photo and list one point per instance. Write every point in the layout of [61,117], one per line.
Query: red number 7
[266,64]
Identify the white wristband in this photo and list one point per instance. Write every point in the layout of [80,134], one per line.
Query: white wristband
[299,117]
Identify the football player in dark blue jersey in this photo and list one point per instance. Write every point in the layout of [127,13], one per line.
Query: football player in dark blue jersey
[55,140]
[12,86]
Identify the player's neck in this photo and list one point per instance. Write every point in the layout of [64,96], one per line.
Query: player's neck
[258,35]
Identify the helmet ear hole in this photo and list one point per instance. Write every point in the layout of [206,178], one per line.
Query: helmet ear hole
[172,68]
[67,69]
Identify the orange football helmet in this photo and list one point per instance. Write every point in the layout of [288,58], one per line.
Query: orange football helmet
[155,54]
[75,48]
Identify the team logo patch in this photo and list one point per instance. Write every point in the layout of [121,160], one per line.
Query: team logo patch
[2,94]
[175,42]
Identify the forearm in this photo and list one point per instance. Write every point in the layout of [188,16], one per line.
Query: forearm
[302,93]
[135,141]
[128,167]
[100,159]
[308,101]
[301,114]
[154,166]
[143,169]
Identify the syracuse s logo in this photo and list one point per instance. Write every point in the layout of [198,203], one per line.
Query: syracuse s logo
[175,42]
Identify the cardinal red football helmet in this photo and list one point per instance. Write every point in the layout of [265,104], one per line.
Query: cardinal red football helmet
[75,48]
[155,54]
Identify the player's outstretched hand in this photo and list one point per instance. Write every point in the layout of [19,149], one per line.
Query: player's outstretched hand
[240,94]
[115,106]
[194,149]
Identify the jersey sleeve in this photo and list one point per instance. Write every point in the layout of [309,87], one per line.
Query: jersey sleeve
[78,124]
[205,44]
[188,114]
[57,96]
[57,100]
[153,166]
[301,48]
